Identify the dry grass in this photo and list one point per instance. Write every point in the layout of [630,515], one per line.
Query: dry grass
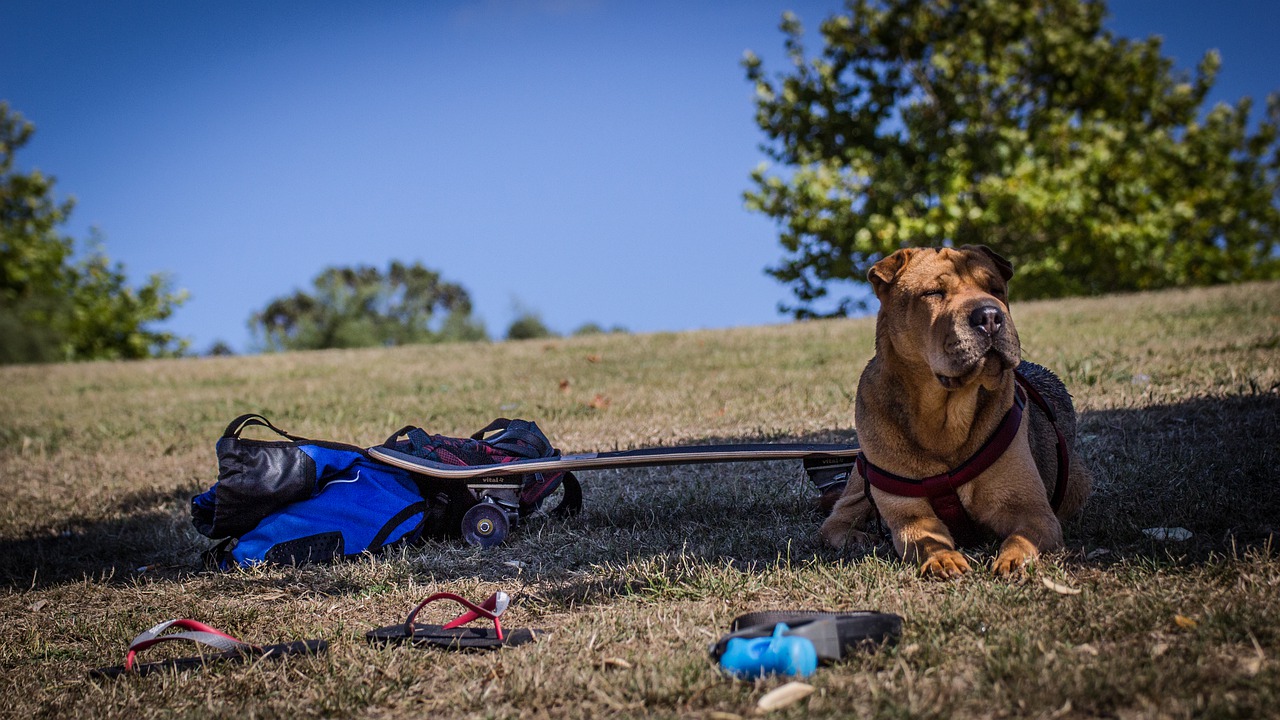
[1179,394]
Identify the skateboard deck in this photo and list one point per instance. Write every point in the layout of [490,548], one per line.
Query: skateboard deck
[812,454]
[495,487]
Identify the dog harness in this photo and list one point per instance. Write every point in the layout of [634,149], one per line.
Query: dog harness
[941,489]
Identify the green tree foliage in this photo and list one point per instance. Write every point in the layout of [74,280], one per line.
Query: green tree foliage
[220,348]
[54,306]
[364,307]
[528,325]
[1021,124]
[595,328]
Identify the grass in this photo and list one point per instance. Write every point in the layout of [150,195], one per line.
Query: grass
[1179,394]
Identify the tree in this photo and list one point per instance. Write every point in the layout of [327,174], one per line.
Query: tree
[220,348]
[528,325]
[54,306]
[595,328]
[363,307]
[1020,124]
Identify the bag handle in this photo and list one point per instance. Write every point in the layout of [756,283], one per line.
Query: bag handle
[238,425]
[391,439]
[522,438]
[499,424]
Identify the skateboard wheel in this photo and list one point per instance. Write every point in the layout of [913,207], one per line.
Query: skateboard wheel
[485,525]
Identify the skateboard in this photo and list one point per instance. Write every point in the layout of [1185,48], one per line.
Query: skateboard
[496,487]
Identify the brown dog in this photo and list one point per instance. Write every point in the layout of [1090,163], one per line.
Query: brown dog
[940,394]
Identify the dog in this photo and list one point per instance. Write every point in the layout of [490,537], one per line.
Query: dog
[933,407]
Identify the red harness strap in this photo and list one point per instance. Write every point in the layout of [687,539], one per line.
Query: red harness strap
[941,489]
[1064,460]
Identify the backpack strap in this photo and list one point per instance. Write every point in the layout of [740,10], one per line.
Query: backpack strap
[522,438]
[571,503]
[499,424]
[238,426]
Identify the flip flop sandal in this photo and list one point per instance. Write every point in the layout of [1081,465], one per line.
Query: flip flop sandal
[452,635]
[833,634]
[233,649]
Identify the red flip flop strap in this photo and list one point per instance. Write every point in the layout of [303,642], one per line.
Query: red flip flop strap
[199,632]
[491,608]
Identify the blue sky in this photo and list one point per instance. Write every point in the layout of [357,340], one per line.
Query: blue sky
[584,159]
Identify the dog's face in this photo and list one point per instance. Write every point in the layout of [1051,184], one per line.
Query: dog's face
[946,309]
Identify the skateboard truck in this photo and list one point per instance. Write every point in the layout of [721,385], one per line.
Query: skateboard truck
[829,474]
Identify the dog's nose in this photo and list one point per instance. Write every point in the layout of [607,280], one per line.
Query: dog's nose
[986,319]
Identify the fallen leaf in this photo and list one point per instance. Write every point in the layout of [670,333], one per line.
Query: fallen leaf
[1253,665]
[1184,622]
[1159,649]
[38,605]
[785,696]
[594,358]
[1058,588]
[1177,534]
[599,402]
[564,385]
[616,662]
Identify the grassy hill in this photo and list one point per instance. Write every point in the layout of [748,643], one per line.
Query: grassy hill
[1179,394]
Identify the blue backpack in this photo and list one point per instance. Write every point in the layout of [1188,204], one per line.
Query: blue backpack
[296,500]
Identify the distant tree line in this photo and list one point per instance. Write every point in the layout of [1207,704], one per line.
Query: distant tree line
[361,306]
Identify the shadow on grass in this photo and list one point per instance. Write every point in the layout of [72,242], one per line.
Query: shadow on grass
[114,547]
[1210,466]
[1206,465]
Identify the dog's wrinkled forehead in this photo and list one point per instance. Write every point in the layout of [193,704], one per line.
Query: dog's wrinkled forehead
[924,269]
[947,268]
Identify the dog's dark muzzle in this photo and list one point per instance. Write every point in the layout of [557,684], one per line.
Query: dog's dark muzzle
[987,319]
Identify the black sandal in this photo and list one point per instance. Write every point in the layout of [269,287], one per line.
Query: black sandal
[451,635]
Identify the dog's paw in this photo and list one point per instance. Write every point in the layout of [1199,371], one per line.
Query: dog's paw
[945,564]
[1011,561]
[841,537]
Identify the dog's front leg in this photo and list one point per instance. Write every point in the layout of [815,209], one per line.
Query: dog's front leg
[919,536]
[1028,527]
[850,512]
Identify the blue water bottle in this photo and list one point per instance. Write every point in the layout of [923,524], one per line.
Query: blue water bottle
[754,657]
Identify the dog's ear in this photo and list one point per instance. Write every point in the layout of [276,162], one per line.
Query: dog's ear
[1004,266]
[883,273]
